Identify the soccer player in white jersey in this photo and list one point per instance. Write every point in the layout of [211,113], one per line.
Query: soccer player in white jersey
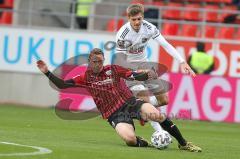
[132,39]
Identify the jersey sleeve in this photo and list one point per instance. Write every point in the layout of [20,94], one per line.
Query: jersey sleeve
[155,32]
[79,80]
[121,43]
[123,72]
[168,47]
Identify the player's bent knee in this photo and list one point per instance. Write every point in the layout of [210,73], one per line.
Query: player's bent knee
[131,140]
[157,117]
[149,112]
[130,143]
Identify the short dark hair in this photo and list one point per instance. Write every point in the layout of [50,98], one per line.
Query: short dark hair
[200,46]
[135,9]
[95,51]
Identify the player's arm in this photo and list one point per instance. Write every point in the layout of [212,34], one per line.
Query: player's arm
[121,46]
[139,75]
[169,48]
[121,43]
[173,52]
[143,75]
[61,84]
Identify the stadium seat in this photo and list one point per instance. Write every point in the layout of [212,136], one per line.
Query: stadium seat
[112,26]
[198,1]
[137,1]
[210,31]
[7,4]
[6,18]
[189,30]
[157,3]
[170,29]
[212,1]
[211,13]
[238,34]
[174,13]
[192,14]
[227,8]
[226,33]
[226,1]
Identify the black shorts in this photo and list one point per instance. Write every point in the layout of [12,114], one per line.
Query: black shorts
[129,111]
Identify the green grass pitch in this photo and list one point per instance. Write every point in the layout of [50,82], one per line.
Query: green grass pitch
[95,138]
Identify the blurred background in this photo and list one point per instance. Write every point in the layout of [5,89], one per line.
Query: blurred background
[56,30]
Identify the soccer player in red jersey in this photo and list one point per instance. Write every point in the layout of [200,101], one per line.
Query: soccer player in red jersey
[115,101]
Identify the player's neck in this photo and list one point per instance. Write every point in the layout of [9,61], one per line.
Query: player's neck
[136,30]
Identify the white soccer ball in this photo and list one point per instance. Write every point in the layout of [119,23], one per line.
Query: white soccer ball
[161,139]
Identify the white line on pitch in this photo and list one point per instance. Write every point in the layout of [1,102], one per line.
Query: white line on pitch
[41,150]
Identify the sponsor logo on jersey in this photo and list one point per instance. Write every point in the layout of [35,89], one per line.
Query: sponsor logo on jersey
[104,82]
[136,50]
[144,40]
[120,43]
[124,44]
[109,72]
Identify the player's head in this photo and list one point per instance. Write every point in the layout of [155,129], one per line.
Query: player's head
[96,59]
[135,15]
[200,46]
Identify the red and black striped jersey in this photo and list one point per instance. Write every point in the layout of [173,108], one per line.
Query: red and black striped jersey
[107,88]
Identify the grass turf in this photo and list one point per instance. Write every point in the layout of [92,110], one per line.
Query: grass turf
[95,138]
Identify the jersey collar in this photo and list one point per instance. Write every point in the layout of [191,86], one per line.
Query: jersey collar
[133,29]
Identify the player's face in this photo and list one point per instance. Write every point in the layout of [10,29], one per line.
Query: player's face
[96,63]
[136,21]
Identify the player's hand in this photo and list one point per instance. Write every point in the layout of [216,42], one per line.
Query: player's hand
[152,74]
[42,66]
[185,68]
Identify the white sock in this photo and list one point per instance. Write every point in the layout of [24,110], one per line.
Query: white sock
[156,126]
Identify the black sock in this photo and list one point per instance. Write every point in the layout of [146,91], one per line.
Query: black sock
[172,129]
[141,142]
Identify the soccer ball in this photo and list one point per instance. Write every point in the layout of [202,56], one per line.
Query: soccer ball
[161,139]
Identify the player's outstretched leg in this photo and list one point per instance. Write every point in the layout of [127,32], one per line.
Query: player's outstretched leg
[172,129]
[153,100]
[149,112]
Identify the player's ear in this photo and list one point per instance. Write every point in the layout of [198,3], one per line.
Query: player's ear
[89,58]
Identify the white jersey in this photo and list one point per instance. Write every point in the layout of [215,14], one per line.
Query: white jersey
[134,43]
